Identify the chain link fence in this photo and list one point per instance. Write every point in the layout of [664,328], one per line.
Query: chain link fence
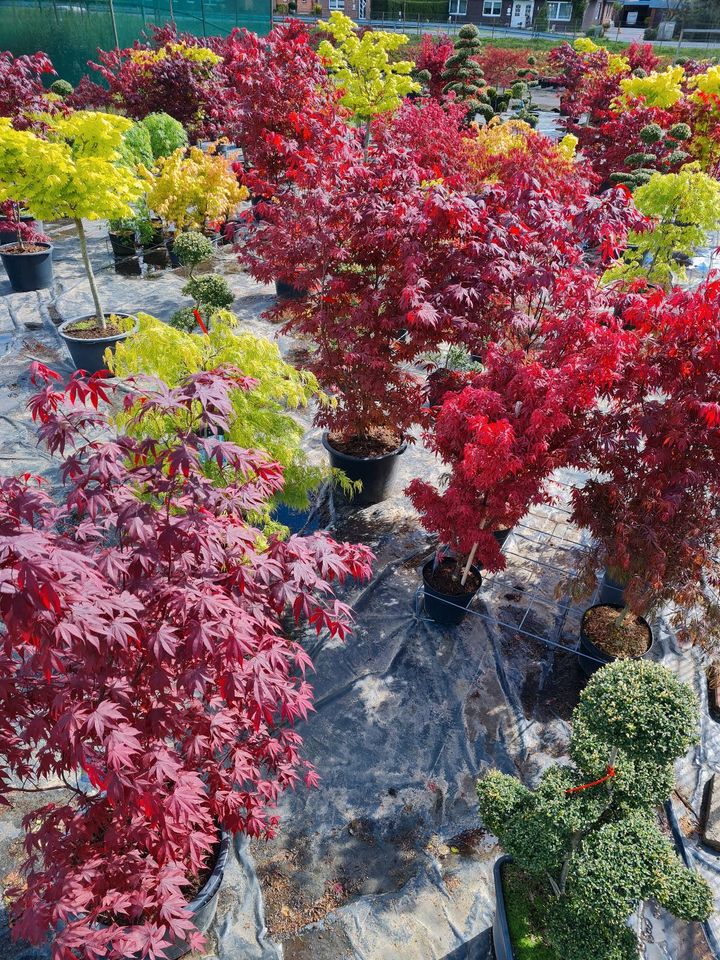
[71,32]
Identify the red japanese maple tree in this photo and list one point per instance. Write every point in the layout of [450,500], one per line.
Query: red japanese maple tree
[281,105]
[157,77]
[21,86]
[652,506]
[430,54]
[146,645]
[502,436]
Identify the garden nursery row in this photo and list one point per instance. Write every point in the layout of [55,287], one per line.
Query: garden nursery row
[358,505]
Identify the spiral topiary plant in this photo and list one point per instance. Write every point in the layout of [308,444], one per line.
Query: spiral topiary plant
[463,74]
[588,833]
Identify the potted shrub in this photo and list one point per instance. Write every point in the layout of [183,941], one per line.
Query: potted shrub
[585,843]
[147,663]
[259,418]
[25,252]
[499,439]
[135,237]
[86,182]
[652,449]
[193,190]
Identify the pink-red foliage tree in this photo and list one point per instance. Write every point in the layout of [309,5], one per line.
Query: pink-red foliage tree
[652,512]
[158,76]
[283,108]
[430,54]
[21,87]
[502,436]
[146,645]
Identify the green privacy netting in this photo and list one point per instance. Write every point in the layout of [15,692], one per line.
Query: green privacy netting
[71,34]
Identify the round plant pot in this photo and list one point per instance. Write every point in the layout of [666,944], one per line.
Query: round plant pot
[89,354]
[174,262]
[590,649]
[446,608]
[502,944]
[375,473]
[155,253]
[28,271]
[611,591]
[204,907]
[286,291]
[124,255]
[501,536]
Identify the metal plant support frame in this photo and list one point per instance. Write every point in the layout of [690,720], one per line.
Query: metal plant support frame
[530,533]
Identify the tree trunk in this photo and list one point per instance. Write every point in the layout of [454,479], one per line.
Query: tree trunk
[469,563]
[99,312]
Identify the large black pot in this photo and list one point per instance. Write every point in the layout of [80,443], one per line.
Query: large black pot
[89,354]
[502,944]
[375,473]
[446,608]
[28,271]
[611,591]
[286,291]
[204,907]
[589,666]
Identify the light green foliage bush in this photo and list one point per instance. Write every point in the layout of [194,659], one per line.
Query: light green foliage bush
[684,206]
[135,148]
[192,249]
[210,291]
[600,849]
[261,420]
[166,134]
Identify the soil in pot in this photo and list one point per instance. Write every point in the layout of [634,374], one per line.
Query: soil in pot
[381,443]
[374,464]
[631,638]
[525,908]
[87,341]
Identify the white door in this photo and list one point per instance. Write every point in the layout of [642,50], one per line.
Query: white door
[521,14]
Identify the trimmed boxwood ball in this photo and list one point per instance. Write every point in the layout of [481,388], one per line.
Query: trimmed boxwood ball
[599,849]
[640,159]
[651,133]
[192,248]
[679,131]
[62,88]
[210,291]
[184,319]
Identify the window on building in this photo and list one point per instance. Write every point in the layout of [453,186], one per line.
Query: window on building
[458,8]
[492,8]
[337,5]
[559,11]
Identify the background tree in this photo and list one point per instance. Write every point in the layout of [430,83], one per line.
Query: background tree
[76,174]
[597,849]
[463,74]
[360,65]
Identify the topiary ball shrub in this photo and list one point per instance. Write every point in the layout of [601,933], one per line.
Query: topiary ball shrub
[62,88]
[192,248]
[166,134]
[184,319]
[651,133]
[210,291]
[679,131]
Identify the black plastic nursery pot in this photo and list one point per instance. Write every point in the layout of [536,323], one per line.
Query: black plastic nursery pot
[286,291]
[28,271]
[204,907]
[127,261]
[502,944]
[611,591]
[448,609]
[589,666]
[375,473]
[88,354]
